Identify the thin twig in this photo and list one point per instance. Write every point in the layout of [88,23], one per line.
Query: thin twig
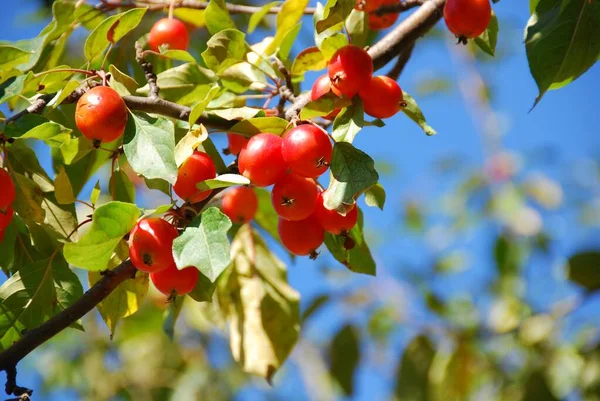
[403,58]
[148,70]
[399,7]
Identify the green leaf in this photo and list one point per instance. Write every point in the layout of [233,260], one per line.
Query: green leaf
[33,126]
[352,172]
[508,255]
[127,298]
[149,145]
[199,107]
[110,223]
[243,77]
[291,13]
[11,56]
[217,17]
[111,31]
[191,16]
[257,17]
[261,309]
[536,387]
[223,181]
[170,316]
[184,84]
[204,290]
[175,54]
[62,218]
[34,294]
[375,196]
[236,113]
[335,12]
[121,188]
[584,269]
[253,126]
[266,217]
[12,87]
[358,258]
[562,42]
[288,41]
[348,123]
[323,106]
[121,82]
[63,188]
[28,200]
[34,47]
[332,44]
[225,49]
[204,244]
[188,144]
[344,353]
[310,59]
[357,25]
[413,112]
[95,193]
[412,374]
[488,39]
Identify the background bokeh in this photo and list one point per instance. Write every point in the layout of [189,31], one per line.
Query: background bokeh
[471,250]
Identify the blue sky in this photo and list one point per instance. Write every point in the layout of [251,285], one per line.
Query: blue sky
[566,121]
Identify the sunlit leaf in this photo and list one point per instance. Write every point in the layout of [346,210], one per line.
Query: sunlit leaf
[111,31]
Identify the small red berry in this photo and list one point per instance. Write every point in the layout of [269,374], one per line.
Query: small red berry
[151,243]
[199,167]
[368,5]
[173,281]
[294,197]
[302,237]
[240,204]
[321,87]
[6,216]
[101,114]
[382,97]
[467,19]
[171,32]
[261,160]
[383,21]
[307,150]
[236,143]
[350,68]
[7,191]
[332,221]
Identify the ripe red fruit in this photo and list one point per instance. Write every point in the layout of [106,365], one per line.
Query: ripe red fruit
[467,18]
[6,216]
[173,281]
[349,69]
[321,87]
[101,114]
[377,22]
[294,197]
[199,167]
[236,143]
[301,237]
[171,32]
[368,5]
[332,221]
[7,192]
[382,97]
[307,150]
[261,160]
[240,204]
[151,243]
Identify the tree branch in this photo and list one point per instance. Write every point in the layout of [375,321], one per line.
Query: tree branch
[148,70]
[33,338]
[401,37]
[197,5]
[403,58]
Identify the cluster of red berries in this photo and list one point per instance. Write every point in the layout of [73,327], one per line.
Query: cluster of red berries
[150,250]
[350,72]
[7,197]
[291,164]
